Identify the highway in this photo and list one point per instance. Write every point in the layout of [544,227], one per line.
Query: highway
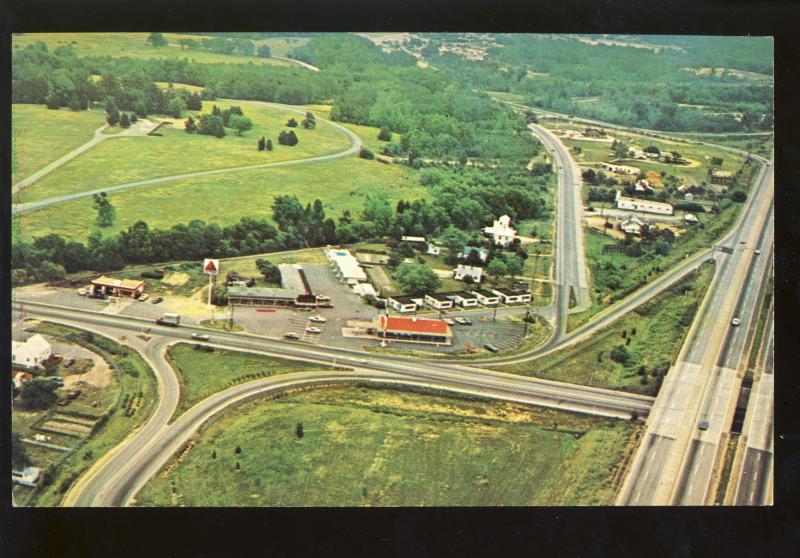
[571,274]
[676,461]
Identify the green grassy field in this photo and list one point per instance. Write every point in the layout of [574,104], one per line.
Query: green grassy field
[129,159]
[118,45]
[40,136]
[202,373]
[246,265]
[135,378]
[364,447]
[368,134]
[659,329]
[225,198]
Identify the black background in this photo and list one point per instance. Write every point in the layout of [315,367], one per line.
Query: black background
[509,532]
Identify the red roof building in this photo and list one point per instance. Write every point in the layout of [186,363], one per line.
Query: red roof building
[415,330]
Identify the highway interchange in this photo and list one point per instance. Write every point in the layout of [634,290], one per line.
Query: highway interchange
[675,465]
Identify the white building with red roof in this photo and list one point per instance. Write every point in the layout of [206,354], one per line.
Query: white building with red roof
[413,330]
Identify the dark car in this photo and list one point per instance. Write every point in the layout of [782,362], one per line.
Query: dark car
[69,363]
[491,348]
[157,299]
[291,335]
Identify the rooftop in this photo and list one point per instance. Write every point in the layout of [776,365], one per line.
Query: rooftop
[114,282]
[414,325]
[405,299]
[485,293]
[292,280]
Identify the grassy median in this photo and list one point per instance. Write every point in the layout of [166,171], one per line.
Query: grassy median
[369,447]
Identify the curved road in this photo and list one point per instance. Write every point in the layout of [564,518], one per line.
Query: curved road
[353,149]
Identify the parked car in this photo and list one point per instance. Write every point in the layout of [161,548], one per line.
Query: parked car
[69,363]
[200,336]
[82,292]
[757,252]
[460,320]
[143,297]
[466,321]
[735,322]
[317,319]
[323,298]
[291,335]
[449,321]
[312,329]
[157,299]
[703,425]
[491,348]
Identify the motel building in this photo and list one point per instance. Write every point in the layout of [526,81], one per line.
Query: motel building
[413,330]
[109,286]
[405,303]
[438,301]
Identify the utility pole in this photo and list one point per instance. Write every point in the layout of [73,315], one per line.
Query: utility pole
[230,322]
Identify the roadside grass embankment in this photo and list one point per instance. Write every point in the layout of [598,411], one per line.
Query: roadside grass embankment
[635,352]
[136,395]
[381,447]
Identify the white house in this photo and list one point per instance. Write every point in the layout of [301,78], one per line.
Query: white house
[438,301]
[483,253]
[463,299]
[620,169]
[413,239]
[501,231]
[688,196]
[632,226]
[404,303]
[434,250]
[646,206]
[463,271]
[507,296]
[487,298]
[690,218]
[31,352]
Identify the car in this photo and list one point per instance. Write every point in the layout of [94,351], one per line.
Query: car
[157,299]
[82,292]
[703,425]
[491,348]
[461,320]
[757,252]
[735,322]
[742,242]
[317,319]
[143,297]
[305,309]
[69,363]
[323,298]
[200,336]
[312,329]
[291,335]
[449,321]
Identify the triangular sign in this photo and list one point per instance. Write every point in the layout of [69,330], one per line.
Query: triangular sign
[210,266]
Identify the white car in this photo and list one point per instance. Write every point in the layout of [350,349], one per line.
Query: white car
[317,319]
[312,329]
[82,292]
[323,298]
[200,336]
[735,322]
[449,321]
[143,297]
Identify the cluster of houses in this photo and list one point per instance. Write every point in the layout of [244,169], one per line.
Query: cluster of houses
[462,299]
[671,157]
[31,353]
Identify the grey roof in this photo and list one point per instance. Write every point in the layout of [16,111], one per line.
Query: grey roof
[291,281]
[485,293]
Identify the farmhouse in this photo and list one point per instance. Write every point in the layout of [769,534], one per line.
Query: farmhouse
[463,299]
[508,296]
[646,206]
[501,231]
[632,226]
[117,287]
[721,177]
[31,352]
[483,253]
[463,271]
[295,291]
[438,301]
[345,266]
[405,303]
[487,298]
[414,330]
[621,169]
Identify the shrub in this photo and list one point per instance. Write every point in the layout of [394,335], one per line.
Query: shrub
[619,354]
[151,274]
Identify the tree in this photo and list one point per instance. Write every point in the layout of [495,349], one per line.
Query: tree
[738,196]
[288,138]
[652,149]
[189,125]
[309,122]
[270,271]
[240,123]
[19,457]
[125,121]
[262,143]
[269,145]
[514,266]
[454,239]
[176,107]
[619,354]
[112,113]
[298,430]
[264,51]
[134,118]
[157,40]
[50,271]
[366,154]
[38,395]
[292,123]
[385,134]
[106,213]
[74,103]
[496,268]
[211,125]
[417,278]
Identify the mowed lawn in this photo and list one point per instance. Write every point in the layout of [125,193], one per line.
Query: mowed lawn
[365,447]
[118,45]
[40,135]
[226,198]
[122,160]
[202,373]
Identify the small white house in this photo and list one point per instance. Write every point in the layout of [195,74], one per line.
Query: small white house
[404,303]
[690,218]
[508,296]
[461,272]
[438,301]
[632,226]
[501,231]
[487,298]
[464,299]
[32,352]
[434,250]
[688,196]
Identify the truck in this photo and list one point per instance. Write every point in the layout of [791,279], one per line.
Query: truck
[173,320]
